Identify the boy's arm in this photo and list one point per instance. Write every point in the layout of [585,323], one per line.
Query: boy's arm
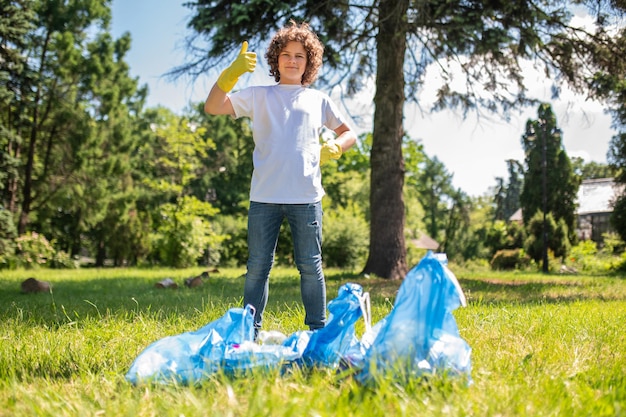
[218,102]
[345,137]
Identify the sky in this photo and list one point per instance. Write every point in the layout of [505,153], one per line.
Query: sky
[474,149]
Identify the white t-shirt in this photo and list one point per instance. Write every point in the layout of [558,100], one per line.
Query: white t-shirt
[287,121]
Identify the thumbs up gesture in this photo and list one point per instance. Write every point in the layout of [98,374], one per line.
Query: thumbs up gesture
[245,62]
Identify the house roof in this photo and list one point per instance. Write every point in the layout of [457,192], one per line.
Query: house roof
[597,195]
[594,197]
[517,216]
[425,242]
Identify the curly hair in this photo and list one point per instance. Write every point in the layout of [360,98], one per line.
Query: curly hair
[299,33]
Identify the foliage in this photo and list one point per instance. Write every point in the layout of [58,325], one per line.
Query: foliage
[181,232]
[183,235]
[504,235]
[398,44]
[434,184]
[507,195]
[345,237]
[587,258]
[550,184]
[592,170]
[558,244]
[608,83]
[32,251]
[8,233]
[223,178]
[63,260]
[612,243]
[232,251]
[618,217]
[508,259]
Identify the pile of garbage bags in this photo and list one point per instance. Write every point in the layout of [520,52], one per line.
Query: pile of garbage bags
[418,337]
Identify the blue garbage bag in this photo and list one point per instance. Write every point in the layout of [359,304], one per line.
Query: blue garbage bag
[228,345]
[420,335]
[328,346]
[192,356]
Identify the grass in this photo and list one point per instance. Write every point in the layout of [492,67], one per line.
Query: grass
[541,346]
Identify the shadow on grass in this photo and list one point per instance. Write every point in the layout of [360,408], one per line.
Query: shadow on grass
[123,297]
[549,291]
[133,294]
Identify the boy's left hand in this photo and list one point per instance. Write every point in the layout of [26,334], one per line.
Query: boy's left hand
[330,150]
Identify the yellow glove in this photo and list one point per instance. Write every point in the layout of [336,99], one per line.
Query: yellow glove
[245,62]
[330,150]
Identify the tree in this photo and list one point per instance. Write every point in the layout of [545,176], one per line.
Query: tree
[557,231]
[181,232]
[224,178]
[70,120]
[608,83]
[395,42]
[435,188]
[592,170]
[550,185]
[17,21]
[457,225]
[507,196]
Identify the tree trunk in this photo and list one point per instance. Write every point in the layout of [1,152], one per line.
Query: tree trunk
[387,252]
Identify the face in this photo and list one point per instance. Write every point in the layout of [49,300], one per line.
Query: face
[292,63]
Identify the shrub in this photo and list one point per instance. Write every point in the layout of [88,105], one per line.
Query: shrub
[33,250]
[346,237]
[183,233]
[558,242]
[507,259]
[613,244]
[7,236]
[233,250]
[63,260]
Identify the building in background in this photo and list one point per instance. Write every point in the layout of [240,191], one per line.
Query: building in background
[595,205]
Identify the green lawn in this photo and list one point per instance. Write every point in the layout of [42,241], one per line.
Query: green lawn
[541,346]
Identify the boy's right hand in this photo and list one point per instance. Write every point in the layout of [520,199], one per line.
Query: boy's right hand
[245,62]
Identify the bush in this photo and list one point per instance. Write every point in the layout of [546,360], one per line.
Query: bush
[183,233]
[557,233]
[63,260]
[7,234]
[346,238]
[586,257]
[507,259]
[233,250]
[32,250]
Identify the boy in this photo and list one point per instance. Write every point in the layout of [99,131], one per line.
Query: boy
[287,119]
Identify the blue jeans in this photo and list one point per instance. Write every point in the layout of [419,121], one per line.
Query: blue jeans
[305,222]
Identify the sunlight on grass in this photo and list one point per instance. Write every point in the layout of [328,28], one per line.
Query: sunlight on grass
[541,346]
